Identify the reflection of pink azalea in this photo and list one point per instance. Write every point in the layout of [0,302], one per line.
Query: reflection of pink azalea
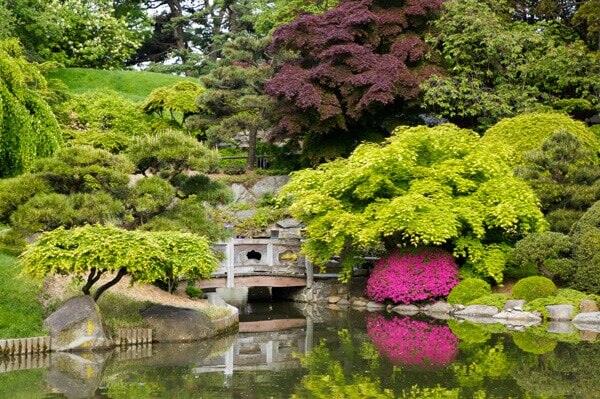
[412,276]
[408,342]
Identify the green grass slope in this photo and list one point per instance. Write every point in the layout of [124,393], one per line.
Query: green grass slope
[135,85]
[20,310]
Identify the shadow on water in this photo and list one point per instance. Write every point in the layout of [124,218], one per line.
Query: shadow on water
[372,355]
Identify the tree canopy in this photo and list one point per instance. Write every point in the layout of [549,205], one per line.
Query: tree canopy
[94,251]
[358,59]
[495,67]
[423,186]
[28,128]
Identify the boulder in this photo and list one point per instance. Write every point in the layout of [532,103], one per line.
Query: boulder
[409,310]
[77,326]
[241,194]
[334,299]
[477,310]
[343,302]
[270,184]
[514,304]
[438,307]
[359,302]
[589,336]
[288,223]
[587,321]
[560,312]
[587,306]
[374,306]
[76,376]
[172,324]
[518,317]
[560,327]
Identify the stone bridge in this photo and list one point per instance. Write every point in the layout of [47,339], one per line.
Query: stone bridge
[263,262]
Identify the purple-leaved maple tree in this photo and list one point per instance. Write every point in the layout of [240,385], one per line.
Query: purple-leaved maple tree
[355,64]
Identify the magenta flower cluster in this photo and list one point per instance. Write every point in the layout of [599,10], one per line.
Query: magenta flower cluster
[408,342]
[406,276]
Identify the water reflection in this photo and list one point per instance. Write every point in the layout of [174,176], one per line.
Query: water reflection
[317,353]
[409,342]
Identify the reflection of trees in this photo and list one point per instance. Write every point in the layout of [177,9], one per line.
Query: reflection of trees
[409,342]
[572,370]
[326,379]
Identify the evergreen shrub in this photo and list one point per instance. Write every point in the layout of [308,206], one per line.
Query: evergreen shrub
[534,287]
[468,290]
[407,276]
[587,277]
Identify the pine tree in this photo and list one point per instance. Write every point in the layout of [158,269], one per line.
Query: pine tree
[234,95]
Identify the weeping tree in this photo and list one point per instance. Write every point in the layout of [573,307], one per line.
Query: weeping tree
[28,128]
[91,252]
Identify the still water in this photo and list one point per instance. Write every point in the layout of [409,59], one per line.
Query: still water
[283,351]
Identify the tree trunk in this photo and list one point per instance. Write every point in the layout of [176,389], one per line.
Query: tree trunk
[251,148]
[122,272]
[93,277]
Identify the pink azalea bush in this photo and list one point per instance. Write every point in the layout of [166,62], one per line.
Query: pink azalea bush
[408,342]
[406,276]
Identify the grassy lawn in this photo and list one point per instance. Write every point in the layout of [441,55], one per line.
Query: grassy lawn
[135,85]
[20,310]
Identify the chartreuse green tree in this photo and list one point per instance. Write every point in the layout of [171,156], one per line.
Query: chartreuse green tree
[517,135]
[28,128]
[280,12]
[178,98]
[104,119]
[423,186]
[495,67]
[93,251]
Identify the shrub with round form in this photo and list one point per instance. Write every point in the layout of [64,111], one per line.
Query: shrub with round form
[468,290]
[407,342]
[406,276]
[530,288]
[527,132]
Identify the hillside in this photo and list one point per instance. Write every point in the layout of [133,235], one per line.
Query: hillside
[135,85]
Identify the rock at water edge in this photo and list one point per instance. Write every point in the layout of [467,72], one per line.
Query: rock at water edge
[77,326]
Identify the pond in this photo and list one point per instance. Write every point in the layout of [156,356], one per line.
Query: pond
[285,351]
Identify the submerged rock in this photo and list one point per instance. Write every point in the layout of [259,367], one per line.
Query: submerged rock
[77,326]
[477,310]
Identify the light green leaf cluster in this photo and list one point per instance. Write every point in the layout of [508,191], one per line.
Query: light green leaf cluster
[280,12]
[145,256]
[423,186]
[520,134]
[180,97]
[28,128]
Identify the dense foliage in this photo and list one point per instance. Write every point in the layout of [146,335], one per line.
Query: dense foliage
[104,119]
[423,186]
[412,276]
[96,250]
[355,60]
[530,288]
[496,67]
[566,177]
[28,128]
[527,132]
[468,290]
